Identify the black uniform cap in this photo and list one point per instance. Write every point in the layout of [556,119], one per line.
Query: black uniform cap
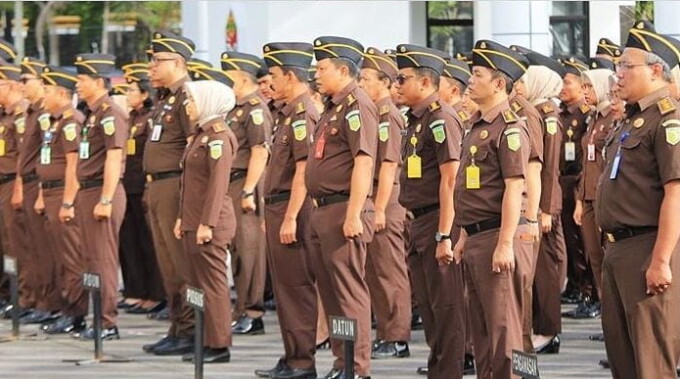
[167,42]
[295,54]
[538,59]
[232,60]
[7,51]
[596,63]
[414,56]
[457,69]
[32,66]
[379,61]
[95,64]
[573,65]
[58,76]
[605,46]
[495,56]
[642,36]
[208,73]
[338,47]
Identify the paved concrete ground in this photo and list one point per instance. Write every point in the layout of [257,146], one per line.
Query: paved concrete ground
[30,358]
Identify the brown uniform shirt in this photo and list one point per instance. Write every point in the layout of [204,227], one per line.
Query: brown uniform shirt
[501,142]
[527,112]
[348,127]
[592,144]
[251,122]
[169,131]
[12,128]
[575,119]
[61,137]
[104,129]
[551,191]
[463,116]
[390,125]
[294,124]
[206,162]
[139,124]
[434,135]
[648,147]
[37,120]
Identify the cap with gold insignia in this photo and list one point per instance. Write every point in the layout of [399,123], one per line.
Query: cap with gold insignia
[95,64]
[135,66]
[538,59]
[7,51]
[193,62]
[573,65]
[294,54]
[232,60]
[119,89]
[379,61]
[392,54]
[338,47]
[596,63]
[164,41]
[457,69]
[465,57]
[414,56]
[208,73]
[136,75]
[642,36]
[32,66]
[57,76]
[605,46]
[495,56]
[675,42]
[10,71]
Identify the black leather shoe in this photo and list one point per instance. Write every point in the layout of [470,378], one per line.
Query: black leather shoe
[6,312]
[335,373]
[604,363]
[280,365]
[64,324]
[599,337]
[124,305]
[248,326]
[270,304]
[177,346]
[324,345]
[210,356]
[38,317]
[571,297]
[391,349]
[163,314]
[469,365]
[422,370]
[294,373]
[106,333]
[416,320]
[149,348]
[552,347]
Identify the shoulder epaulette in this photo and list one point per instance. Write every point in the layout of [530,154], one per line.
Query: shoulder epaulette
[300,108]
[509,116]
[218,127]
[434,106]
[547,109]
[385,109]
[584,108]
[463,115]
[105,106]
[516,106]
[666,106]
[351,99]
[254,101]
[67,113]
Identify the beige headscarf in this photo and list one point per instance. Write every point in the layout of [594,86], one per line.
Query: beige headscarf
[675,73]
[213,99]
[599,78]
[541,84]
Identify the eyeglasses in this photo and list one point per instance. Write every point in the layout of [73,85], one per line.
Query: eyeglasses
[401,78]
[627,66]
[156,60]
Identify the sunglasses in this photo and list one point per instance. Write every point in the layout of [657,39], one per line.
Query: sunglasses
[401,78]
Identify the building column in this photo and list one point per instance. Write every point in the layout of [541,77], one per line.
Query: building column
[666,17]
[525,23]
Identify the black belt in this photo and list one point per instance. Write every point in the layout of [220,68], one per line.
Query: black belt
[6,178]
[624,233]
[415,213]
[32,177]
[91,183]
[278,198]
[328,200]
[485,225]
[52,184]
[163,175]
[238,174]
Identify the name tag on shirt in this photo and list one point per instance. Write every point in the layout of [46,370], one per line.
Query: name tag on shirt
[84,150]
[472,177]
[319,147]
[156,132]
[414,169]
[569,151]
[45,155]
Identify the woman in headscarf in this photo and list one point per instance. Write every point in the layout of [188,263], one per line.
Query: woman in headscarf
[206,222]
[541,85]
[597,85]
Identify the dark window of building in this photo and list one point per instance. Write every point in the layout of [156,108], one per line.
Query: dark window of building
[449,26]
[569,29]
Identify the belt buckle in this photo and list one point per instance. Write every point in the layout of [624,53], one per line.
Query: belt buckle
[611,238]
[149,178]
[315,203]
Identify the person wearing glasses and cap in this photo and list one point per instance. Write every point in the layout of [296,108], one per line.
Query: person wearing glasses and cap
[338,176]
[56,169]
[431,149]
[488,200]
[169,133]
[640,298]
[101,197]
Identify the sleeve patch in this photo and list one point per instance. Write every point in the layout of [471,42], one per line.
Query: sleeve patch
[672,132]
[514,141]
[109,125]
[551,125]
[300,130]
[438,131]
[258,116]
[384,131]
[216,149]
[70,132]
[354,120]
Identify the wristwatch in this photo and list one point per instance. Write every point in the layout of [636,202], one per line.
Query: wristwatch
[67,205]
[441,237]
[245,194]
[105,201]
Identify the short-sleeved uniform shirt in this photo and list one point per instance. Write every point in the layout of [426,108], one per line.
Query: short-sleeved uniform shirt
[500,143]
[390,126]
[648,148]
[251,122]
[12,128]
[60,138]
[138,133]
[37,120]
[592,144]
[551,191]
[575,118]
[348,127]
[529,114]
[294,123]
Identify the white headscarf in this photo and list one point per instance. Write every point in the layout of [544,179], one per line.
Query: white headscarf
[541,84]
[599,78]
[675,72]
[212,99]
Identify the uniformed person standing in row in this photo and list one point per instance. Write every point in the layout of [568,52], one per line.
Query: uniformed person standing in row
[169,135]
[488,200]
[251,122]
[57,164]
[640,299]
[287,210]
[101,198]
[452,86]
[338,177]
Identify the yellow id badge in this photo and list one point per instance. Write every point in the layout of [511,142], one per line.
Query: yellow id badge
[131,146]
[414,167]
[2,147]
[472,177]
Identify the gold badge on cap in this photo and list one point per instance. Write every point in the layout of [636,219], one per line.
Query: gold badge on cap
[171,100]
[639,122]
[640,25]
[266,48]
[225,56]
[482,45]
[158,35]
[239,112]
[483,134]
[317,42]
[79,59]
[370,51]
[402,49]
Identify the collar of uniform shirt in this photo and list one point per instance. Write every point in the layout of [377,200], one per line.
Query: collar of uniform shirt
[338,97]
[653,98]
[424,105]
[60,112]
[177,86]
[246,99]
[288,109]
[95,107]
[575,106]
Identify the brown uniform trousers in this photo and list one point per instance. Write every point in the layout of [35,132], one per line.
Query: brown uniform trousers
[292,270]
[578,269]
[65,239]
[443,311]
[163,203]
[551,272]
[248,257]
[524,276]
[336,260]
[387,276]
[592,242]
[641,331]
[100,245]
